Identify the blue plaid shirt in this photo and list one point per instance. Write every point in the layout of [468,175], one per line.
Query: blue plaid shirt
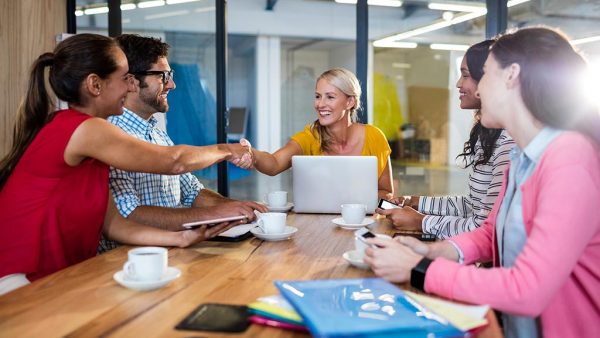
[132,189]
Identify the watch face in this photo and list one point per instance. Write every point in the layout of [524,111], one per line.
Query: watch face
[417,274]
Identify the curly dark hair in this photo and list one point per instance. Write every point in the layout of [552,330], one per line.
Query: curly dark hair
[476,56]
[141,52]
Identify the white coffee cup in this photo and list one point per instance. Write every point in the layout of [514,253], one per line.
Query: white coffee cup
[360,246]
[146,263]
[277,198]
[272,222]
[354,213]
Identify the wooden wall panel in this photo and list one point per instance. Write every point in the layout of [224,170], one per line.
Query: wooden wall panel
[27,29]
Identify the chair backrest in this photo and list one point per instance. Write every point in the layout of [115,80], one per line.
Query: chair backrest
[238,122]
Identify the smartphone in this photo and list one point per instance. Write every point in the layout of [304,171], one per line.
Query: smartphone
[416,234]
[212,222]
[362,234]
[217,317]
[385,204]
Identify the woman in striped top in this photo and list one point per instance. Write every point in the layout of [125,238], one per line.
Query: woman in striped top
[486,152]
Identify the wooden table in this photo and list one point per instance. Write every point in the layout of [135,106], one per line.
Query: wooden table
[84,300]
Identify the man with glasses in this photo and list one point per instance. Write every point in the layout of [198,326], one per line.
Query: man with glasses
[159,200]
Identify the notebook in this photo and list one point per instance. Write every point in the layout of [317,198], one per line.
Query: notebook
[323,183]
[369,307]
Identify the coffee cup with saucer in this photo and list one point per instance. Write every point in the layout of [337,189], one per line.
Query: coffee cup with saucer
[339,221]
[146,269]
[271,226]
[355,257]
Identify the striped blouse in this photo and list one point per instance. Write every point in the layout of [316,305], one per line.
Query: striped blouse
[448,216]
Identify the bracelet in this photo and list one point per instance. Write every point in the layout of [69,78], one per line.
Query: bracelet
[417,274]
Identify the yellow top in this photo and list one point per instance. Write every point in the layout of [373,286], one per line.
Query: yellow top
[375,145]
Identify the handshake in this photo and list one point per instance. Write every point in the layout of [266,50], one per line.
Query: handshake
[241,154]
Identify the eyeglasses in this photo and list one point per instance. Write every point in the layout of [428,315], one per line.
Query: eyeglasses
[167,75]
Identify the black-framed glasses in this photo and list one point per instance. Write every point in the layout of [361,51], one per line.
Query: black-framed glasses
[167,75]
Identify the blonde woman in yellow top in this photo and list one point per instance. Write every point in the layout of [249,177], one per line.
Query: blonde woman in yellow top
[335,132]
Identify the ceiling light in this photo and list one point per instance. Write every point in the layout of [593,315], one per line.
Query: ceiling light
[148,4]
[388,3]
[127,7]
[166,14]
[79,12]
[445,46]
[436,26]
[456,7]
[204,9]
[174,2]
[447,15]
[585,40]
[394,44]
[97,10]
[516,2]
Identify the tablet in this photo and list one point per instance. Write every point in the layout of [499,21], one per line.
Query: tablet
[212,222]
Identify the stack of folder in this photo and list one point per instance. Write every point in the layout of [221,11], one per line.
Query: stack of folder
[275,311]
[370,307]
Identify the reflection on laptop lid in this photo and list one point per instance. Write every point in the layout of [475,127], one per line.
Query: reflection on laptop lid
[323,183]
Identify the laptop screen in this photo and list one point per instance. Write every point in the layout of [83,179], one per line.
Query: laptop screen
[323,183]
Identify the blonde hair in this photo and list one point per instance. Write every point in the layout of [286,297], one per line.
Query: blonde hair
[347,83]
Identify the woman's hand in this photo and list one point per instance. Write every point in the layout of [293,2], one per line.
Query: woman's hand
[404,218]
[193,236]
[391,260]
[247,160]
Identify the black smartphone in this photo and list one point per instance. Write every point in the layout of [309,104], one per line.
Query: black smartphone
[217,317]
[416,234]
[362,234]
[385,204]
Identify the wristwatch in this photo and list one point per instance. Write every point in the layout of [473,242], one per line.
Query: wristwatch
[417,274]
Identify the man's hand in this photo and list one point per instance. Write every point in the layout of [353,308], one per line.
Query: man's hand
[391,260]
[246,161]
[239,153]
[404,218]
[190,237]
[234,208]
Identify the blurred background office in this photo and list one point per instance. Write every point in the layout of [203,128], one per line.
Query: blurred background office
[276,49]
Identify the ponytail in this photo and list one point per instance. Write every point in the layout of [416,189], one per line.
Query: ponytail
[33,114]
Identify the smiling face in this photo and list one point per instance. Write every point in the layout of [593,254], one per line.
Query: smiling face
[153,95]
[116,86]
[467,88]
[331,104]
[494,94]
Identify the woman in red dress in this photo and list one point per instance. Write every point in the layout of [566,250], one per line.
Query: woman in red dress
[54,181]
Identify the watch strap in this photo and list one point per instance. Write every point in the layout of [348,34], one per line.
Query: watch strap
[417,274]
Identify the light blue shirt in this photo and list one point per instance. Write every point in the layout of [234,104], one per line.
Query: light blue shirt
[132,189]
[510,227]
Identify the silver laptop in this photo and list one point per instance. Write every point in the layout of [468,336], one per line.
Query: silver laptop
[323,183]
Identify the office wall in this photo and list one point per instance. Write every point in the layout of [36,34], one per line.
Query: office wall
[27,28]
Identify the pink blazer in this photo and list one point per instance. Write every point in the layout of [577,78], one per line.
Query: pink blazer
[557,275]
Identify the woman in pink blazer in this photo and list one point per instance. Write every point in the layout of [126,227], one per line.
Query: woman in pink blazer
[543,234]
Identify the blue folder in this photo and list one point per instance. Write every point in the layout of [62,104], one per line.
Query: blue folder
[369,307]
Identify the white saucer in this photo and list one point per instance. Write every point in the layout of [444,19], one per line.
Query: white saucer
[171,274]
[287,233]
[284,208]
[352,258]
[340,222]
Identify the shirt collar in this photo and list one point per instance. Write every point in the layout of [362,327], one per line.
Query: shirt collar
[136,119]
[535,149]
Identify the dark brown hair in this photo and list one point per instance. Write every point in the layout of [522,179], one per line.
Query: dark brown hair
[141,52]
[475,57]
[550,77]
[72,61]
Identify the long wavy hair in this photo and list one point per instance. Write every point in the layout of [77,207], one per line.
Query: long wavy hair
[347,83]
[71,62]
[476,56]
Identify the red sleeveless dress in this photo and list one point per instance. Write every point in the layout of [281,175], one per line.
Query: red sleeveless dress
[51,214]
